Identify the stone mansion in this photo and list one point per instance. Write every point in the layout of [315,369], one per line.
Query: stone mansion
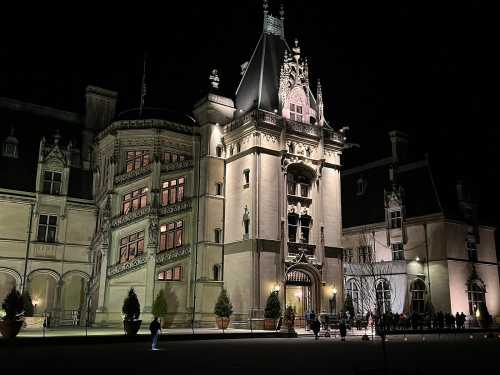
[242,194]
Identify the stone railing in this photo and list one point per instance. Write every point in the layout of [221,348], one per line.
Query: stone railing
[299,127]
[121,268]
[173,255]
[333,136]
[130,217]
[184,164]
[296,248]
[255,115]
[145,124]
[175,208]
[132,175]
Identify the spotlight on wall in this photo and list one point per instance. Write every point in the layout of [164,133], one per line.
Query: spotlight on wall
[417,259]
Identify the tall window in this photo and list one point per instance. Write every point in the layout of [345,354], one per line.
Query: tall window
[476,297]
[395,219]
[352,290]
[365,254]
[52,182]
[417,296]
[218,188]
[171,235]
[217,272]
[135,200]
[291,148]
[398,251]
[305,222]
[172,157]
[384,296]
[47,226]
[238,147]
[246,175]
[218,151]
[472,250]
[218,235]
[172,274]
[131,246]
[137,159]
[348,255]
[172,191]
[361,186]
[293,221]
[296,112]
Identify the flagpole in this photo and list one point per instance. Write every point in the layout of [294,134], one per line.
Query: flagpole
[143,86]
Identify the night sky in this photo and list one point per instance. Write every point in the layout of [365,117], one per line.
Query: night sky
[420,67]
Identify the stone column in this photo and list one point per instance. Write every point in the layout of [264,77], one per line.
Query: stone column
[59,308]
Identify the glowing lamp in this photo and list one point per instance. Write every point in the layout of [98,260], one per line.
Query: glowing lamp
[334,290]
[417,259]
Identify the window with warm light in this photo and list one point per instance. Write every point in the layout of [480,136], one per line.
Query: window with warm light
[171,235]
[131,246]
[172,191]
[171,274]
[172,157]
[137,159]
[135,200]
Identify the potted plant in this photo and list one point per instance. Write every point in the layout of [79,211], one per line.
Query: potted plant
[272,311]
[223,310]
[131,310]
[160,307]
[289,319]
[12,306]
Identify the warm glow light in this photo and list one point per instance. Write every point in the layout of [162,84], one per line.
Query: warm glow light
[478,314]
[298,295]
[417,259]
[276,288]
[334,290]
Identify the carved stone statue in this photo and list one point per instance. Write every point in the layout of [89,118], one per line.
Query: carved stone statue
[153,232]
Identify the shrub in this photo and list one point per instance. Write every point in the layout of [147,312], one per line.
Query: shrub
[160,305]
[131,307]
[223,307]
[28,307]
[12,305]
[273,306]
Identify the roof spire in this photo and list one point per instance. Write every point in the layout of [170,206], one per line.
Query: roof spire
[214,79]
[296,51]
[265,6]
[282,11]
[143,85]
[319,95]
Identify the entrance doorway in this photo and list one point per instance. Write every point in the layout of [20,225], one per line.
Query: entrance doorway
[299,295]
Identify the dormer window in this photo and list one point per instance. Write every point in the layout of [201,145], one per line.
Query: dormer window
[472,250]
[296,112]
[52,182]
[9,146]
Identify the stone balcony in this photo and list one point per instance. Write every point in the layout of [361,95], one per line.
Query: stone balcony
[176,166]
[122,268]
[302,128]
[175,208]
[173,255]
[132,216]
[132,175]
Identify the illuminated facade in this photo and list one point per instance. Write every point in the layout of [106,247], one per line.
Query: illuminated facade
[410,238]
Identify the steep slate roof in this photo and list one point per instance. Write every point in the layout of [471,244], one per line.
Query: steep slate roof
[31,123]
[259,86]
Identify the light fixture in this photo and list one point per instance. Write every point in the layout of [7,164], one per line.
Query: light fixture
[276,288]
[334,290]
[417,259]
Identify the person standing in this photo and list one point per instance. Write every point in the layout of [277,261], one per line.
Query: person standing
[155,329]
[343,329]
[316,326]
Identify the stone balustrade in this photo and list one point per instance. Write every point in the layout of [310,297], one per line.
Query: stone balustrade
[121,268]
[132,216]
[173,255]
[175,208]
[178,165]
[132,175]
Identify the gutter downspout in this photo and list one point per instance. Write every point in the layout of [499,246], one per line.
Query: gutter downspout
[197,228]
[427,261]
[28,241]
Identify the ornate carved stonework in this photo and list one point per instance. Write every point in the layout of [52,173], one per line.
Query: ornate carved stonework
[130,217]
[178,165]
[121,268]
[132,175]
[173,255]
[175,208]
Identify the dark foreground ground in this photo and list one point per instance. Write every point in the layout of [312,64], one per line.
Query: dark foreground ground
[447,355]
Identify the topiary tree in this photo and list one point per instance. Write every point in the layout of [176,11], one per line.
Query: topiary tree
[28,307]
[223,307]
[273,306]
[12,305]
[160,305]
[131,307]
[349,306]
[484,315]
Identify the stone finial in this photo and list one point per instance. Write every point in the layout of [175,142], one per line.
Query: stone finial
[265,6]
[214,79]
[282,11]
[296,50]
[319,96]
[57,138]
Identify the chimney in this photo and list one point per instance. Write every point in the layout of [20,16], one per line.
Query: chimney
[399,141]
[100,106]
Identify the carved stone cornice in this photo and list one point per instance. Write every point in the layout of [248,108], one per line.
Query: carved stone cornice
[173,255]
[121,268]
[175,208]
[178,165]
[132,175]
[296,248]
[145,124]
[302,128]
[332,136]
[132,216]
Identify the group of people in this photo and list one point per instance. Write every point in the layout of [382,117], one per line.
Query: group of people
[415,320]
[313,323]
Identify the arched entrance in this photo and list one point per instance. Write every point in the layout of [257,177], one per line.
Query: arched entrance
[73,298]
[43,290]
[302,293]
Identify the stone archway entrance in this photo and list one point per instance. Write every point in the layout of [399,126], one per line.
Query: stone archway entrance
[301,292]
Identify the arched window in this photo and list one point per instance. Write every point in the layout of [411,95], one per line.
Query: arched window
[361,186]
[352,290]
[417,296]
[217,272]
[383,296]
[218,151]
[476,296]
[238,147]
[291,148]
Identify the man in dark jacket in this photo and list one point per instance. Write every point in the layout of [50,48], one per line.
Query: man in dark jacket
[316,326]
[155,329]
